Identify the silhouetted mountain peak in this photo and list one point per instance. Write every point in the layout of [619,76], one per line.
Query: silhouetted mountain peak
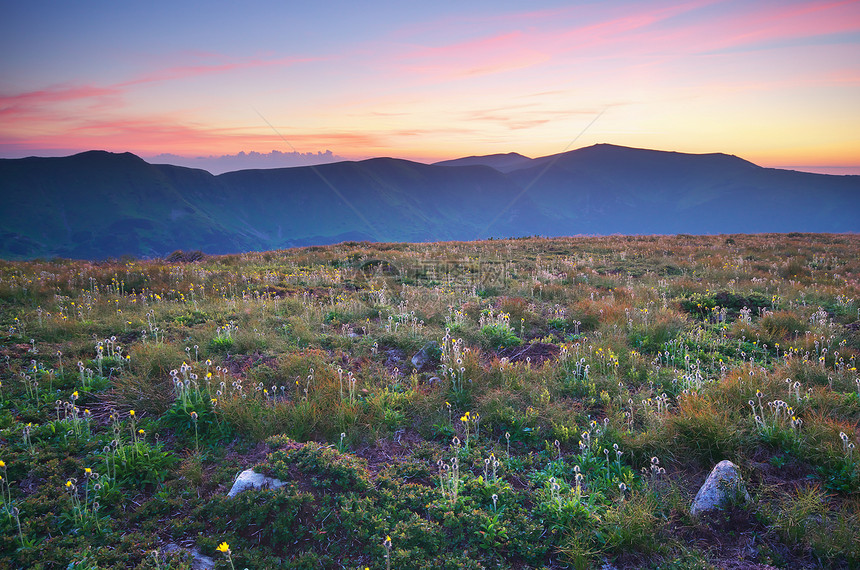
[96,153]
[106,155]
[502,162]
[606,152]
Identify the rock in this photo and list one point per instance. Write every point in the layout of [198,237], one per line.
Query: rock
[426,355]
[198,561]
[250,479]
[722,487]
[201,561]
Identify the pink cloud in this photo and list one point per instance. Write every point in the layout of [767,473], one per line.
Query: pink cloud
[164,133]
[79,110]
[518,117]
[759,27]
[481,56]
[481,45]
[18,103]
[187,71]
[630,31]
[752,27]
[30,101]
[528,46]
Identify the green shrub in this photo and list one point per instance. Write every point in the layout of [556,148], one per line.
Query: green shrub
[325,467]
[499,336]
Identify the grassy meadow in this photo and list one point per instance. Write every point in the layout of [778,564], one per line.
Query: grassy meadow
[572,396]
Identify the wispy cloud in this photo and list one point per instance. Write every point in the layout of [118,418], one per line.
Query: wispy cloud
[182,72]
[634,31]
[91,113]
[151,135]
[480,56]
[533,39]
[784,25]
[22,106]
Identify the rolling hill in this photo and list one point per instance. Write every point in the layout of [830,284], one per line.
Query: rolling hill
[502,162]
[97,204]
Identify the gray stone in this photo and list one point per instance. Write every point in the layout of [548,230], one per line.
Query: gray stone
[199,561]
[424,356]
[250,479]
[722,487]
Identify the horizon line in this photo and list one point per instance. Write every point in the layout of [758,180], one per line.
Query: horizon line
[827,169]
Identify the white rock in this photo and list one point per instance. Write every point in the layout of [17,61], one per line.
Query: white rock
[198,561]
[424,356]
[723,486]
[201,561]
[250,479]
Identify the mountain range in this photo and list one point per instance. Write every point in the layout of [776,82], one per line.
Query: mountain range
[97,204]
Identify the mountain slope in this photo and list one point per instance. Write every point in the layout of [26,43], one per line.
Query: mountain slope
[97,204]
[502,162]
[383,199]
[609,189]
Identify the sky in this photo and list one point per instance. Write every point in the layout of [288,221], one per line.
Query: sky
[774,82]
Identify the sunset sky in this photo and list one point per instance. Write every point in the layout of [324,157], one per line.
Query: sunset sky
[777,83]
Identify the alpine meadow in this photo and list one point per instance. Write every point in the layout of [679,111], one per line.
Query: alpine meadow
[526,403]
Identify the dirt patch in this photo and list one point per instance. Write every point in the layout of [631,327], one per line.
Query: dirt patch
[239,364]
[395,358]
[17,352]
[733,538]
[275,291]
[127,338]
[780,471]
[249,458]
[385,452]
[535,353]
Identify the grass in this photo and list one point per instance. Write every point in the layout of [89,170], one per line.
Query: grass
[580,393]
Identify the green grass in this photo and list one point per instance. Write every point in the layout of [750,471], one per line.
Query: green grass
[582,393]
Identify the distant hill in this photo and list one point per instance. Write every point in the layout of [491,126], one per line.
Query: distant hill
[605,189]
[502,162]
[97,204]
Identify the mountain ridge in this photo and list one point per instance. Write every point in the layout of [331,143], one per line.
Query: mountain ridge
[99,204]
[502,162]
